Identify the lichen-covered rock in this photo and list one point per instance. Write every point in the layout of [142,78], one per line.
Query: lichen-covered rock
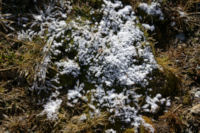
[106,60]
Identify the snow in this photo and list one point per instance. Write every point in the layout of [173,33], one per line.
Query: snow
[197,94]
[114,61]
[110,131]
[148,27]
[51,108]
[152,9]
[75,94]
[168,103]
[109,58]
[173,24]
[83,117]
[152,103]
[182,14]
[69,67]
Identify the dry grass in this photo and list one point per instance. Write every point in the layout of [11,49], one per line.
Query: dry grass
[83,7]
[149,121]
[166,64]
[18,55]
[19,59]
[27,123]
[5,24]
[184,13]
[174,121]
[75,125]
[15,124]
[185,59]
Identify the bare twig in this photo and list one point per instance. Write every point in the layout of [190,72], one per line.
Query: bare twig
[179,106]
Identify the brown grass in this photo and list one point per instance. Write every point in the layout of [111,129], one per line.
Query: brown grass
[75,125]
[189,20]
[173,121]
[22,56]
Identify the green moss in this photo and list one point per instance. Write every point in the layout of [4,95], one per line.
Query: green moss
[187,99]
[83,9]
[96,4]
[142,129]
[165,78]
[165,83]
[131,130]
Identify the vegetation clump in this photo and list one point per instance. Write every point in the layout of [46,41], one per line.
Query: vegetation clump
[172,36]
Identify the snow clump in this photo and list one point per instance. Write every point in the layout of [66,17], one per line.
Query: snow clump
[152,9]
[106,60]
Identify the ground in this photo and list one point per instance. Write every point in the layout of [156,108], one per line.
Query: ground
[175,45]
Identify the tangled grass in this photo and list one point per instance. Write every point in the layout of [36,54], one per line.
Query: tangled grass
[18,60]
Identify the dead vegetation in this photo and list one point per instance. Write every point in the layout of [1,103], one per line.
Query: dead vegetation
[180,17]
[184,13]
[19,57]
[182,58]
[89,125]
[18,60]
[179,58]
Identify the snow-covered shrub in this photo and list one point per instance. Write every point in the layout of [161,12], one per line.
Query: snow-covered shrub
[106,60]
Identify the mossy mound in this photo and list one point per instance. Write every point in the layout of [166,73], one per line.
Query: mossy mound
[97,60]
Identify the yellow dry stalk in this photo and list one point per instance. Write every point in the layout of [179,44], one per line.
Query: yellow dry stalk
[166,64]
[173,119]
[14,124]
[24,59]
[191,19]
[130,130]
[188,4]
[32,55]
[147,120]
[75,125]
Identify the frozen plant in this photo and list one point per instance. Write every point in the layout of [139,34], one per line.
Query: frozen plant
[105,60]
[152,9]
